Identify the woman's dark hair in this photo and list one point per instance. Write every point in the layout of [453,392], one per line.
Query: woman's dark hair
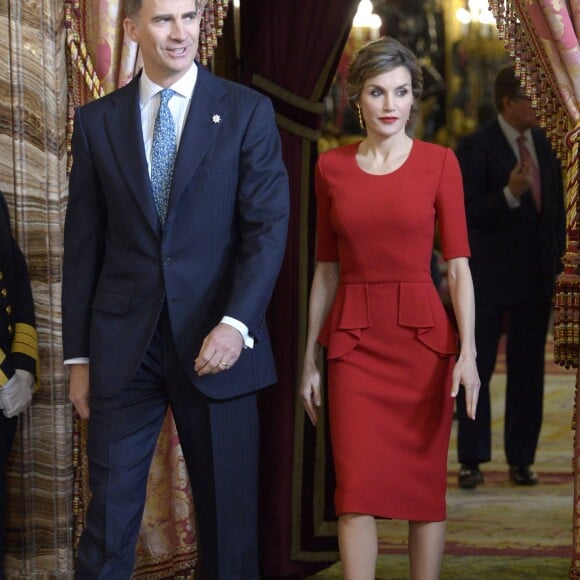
[379,56]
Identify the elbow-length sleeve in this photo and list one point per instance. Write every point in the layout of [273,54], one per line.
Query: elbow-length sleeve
[450,206]
[326,245]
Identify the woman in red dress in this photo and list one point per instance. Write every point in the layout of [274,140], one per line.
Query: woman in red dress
[394,365]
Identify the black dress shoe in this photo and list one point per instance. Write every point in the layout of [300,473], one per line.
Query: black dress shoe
[469,476]
[523,475]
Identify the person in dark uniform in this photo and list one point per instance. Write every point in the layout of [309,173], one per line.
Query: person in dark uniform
[18,350]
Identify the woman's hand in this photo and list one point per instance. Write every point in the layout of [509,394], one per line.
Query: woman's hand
[309,390]
[465,373]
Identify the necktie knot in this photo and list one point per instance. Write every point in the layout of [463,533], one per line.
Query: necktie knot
[165,96]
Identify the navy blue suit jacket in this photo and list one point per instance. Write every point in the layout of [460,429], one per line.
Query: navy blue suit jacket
[514,252]
[218,254]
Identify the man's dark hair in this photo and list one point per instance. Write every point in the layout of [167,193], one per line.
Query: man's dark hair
[506,85]
[131,7]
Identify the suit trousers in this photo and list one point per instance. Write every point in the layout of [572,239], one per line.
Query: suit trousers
[7,434]
[527,326]
[219,439]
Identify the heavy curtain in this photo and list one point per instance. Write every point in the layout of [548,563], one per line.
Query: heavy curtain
[100,60]
[293,59]
[32,178]
[542,37]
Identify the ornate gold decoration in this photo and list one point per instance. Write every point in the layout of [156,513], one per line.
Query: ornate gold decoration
[534,70]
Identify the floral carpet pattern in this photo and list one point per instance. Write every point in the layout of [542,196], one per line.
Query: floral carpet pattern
[500,530]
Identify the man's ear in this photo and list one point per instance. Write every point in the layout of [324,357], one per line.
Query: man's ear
[130,29]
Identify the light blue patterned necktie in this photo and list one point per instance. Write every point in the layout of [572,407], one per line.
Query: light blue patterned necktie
[163,149]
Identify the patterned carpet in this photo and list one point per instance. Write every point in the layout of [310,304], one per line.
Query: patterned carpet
[499,530]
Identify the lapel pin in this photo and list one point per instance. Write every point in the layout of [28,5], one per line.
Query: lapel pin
[216,119]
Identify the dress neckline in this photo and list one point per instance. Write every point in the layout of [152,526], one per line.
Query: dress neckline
[361,170]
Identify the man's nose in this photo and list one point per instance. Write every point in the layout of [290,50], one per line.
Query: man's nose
[177,29]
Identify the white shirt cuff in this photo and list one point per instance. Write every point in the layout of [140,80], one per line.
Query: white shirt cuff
[242,329]
[80,360]
[511,199]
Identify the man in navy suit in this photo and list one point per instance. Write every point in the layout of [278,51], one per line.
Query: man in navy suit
[515,214]
[169,308]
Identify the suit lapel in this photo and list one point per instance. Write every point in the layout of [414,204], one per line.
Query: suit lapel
[544,153]
[504,155]
[123,125]
[206,118]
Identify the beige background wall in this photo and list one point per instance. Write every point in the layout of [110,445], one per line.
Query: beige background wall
[33,116]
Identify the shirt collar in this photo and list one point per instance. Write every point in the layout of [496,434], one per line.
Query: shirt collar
[184,86]
[512,134]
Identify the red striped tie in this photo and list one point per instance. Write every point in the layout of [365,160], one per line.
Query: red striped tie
[527,159]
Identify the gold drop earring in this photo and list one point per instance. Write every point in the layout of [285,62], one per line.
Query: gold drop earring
[361,121]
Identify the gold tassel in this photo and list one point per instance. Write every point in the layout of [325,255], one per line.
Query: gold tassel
[567,294]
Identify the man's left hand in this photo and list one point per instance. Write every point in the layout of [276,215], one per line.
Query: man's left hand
[220,350]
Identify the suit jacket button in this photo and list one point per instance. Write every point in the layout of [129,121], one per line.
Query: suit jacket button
[4,292]
[167,261]
[8,309]
[9,329]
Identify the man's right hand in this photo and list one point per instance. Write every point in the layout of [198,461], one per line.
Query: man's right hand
[520,179]
[79,389]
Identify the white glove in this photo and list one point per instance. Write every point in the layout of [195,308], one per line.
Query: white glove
[16,394]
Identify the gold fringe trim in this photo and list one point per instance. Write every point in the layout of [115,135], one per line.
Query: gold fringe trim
[567,293]
[212,27]
[534,70]
[78,52]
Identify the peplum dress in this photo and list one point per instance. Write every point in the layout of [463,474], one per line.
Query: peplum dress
[390,345]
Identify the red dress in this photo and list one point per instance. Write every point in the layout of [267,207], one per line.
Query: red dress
[390,344]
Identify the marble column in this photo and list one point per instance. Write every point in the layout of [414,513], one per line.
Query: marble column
[33,116]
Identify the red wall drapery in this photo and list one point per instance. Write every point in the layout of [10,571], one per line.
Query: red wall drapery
[293,60]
